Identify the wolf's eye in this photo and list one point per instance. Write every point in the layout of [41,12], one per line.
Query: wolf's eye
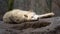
[25,15]
[32,17]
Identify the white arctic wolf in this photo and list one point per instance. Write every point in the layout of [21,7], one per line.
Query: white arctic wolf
[19,16]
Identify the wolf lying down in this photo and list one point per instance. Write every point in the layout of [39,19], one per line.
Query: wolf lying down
[19,16]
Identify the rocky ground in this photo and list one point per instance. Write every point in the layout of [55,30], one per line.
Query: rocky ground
[42,26]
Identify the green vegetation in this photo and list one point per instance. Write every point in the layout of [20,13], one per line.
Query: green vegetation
[49,4]
[10,4]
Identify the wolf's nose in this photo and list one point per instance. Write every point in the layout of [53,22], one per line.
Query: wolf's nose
[38,18]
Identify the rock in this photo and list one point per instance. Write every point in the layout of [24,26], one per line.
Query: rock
[3,7]
[52,26]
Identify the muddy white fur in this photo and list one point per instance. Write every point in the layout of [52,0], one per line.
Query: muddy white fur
[18,16]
